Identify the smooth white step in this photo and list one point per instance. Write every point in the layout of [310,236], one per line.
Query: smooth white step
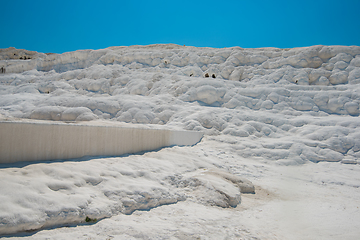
[24,141]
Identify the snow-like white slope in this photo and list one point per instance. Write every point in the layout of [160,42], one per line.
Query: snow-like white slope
[46,194]
[299,104]
[258,108]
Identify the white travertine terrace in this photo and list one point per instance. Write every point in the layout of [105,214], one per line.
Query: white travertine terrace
[304,100]
[286,119]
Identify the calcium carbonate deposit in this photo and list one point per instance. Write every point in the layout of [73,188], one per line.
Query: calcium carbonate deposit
[281,126]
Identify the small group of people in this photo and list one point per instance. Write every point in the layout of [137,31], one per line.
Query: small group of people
[3,70]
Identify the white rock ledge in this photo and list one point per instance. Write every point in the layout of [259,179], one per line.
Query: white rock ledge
[33,141]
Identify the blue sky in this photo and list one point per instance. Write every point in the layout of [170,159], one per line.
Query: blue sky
[68,25]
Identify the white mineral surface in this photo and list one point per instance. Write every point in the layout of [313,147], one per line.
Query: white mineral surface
[283,123]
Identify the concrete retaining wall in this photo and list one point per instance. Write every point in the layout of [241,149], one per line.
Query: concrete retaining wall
[20,141]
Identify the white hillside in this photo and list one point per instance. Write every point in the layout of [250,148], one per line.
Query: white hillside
[299,104]
[286,119]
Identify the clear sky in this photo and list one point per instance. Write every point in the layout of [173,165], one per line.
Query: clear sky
[68,25]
